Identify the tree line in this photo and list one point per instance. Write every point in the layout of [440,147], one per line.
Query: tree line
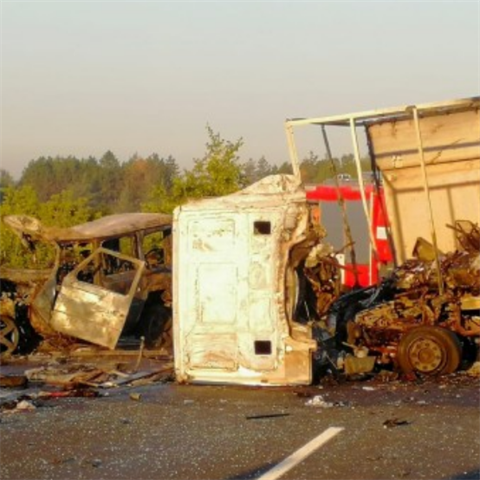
[65,191]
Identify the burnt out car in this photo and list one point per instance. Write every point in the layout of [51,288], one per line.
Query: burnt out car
[110,277]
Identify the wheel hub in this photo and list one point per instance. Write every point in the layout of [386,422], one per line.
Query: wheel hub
[426,355]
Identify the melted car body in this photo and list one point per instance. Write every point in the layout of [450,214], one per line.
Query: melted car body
[110,276]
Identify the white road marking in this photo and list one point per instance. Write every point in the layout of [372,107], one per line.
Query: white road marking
[296,457]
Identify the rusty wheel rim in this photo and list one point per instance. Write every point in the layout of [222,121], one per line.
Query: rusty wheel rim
[426,355]
[9,336]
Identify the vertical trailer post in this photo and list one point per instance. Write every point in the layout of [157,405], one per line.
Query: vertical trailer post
[427,195]
[343,208]
[362,187]
[293,151]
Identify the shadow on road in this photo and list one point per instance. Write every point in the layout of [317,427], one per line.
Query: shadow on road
[256,473]
[473,475]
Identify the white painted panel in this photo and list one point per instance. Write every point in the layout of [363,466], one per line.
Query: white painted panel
[216,293]
[212,351]
[212,236]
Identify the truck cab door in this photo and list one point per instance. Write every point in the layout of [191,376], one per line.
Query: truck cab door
[93,303]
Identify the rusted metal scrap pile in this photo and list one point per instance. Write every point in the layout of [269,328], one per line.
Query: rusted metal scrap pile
[322,271]
[424,318]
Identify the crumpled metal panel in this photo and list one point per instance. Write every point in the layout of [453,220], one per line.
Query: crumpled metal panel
[96,313]
[90,313]
[110,226]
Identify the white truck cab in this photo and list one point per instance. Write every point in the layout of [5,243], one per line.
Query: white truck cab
[234,287]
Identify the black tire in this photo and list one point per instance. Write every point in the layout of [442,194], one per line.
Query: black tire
[9,336]
[154,320]
[470,353]
[429,350]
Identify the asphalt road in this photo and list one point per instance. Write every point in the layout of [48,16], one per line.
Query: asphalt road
[171,431]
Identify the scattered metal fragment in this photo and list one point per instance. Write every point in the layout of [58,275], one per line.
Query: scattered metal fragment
[355,365]
[21,404]
[25,405]
[140,353]
[394,422]
[13,381]
[268,415]
[387,376]
[319,401]
[307,392]
[79,392]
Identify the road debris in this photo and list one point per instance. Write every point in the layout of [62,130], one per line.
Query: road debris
[320,402]
[22,404]
[90,375]
[96,462]
[25,405]
[267,415]
[140,353]
[13,381]
[66,378]
[474,370]
[395,422]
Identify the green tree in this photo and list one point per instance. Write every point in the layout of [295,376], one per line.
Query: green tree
[62,210]
[110,183]
[141,176]
[160,200]
[316,170]
[309,167]
[51,175]
[348,165]
[217,173]
[20,200]
[249,172]
[65,210]
[253,171]
[17,201]
[285,168]
[6,180]
[264,169]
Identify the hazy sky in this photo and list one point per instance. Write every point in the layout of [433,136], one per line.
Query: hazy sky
[83,77]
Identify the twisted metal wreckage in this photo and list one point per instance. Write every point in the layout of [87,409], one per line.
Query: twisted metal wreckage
[110,277]
[257,296]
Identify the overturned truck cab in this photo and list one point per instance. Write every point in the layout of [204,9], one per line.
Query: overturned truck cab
[235,286]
